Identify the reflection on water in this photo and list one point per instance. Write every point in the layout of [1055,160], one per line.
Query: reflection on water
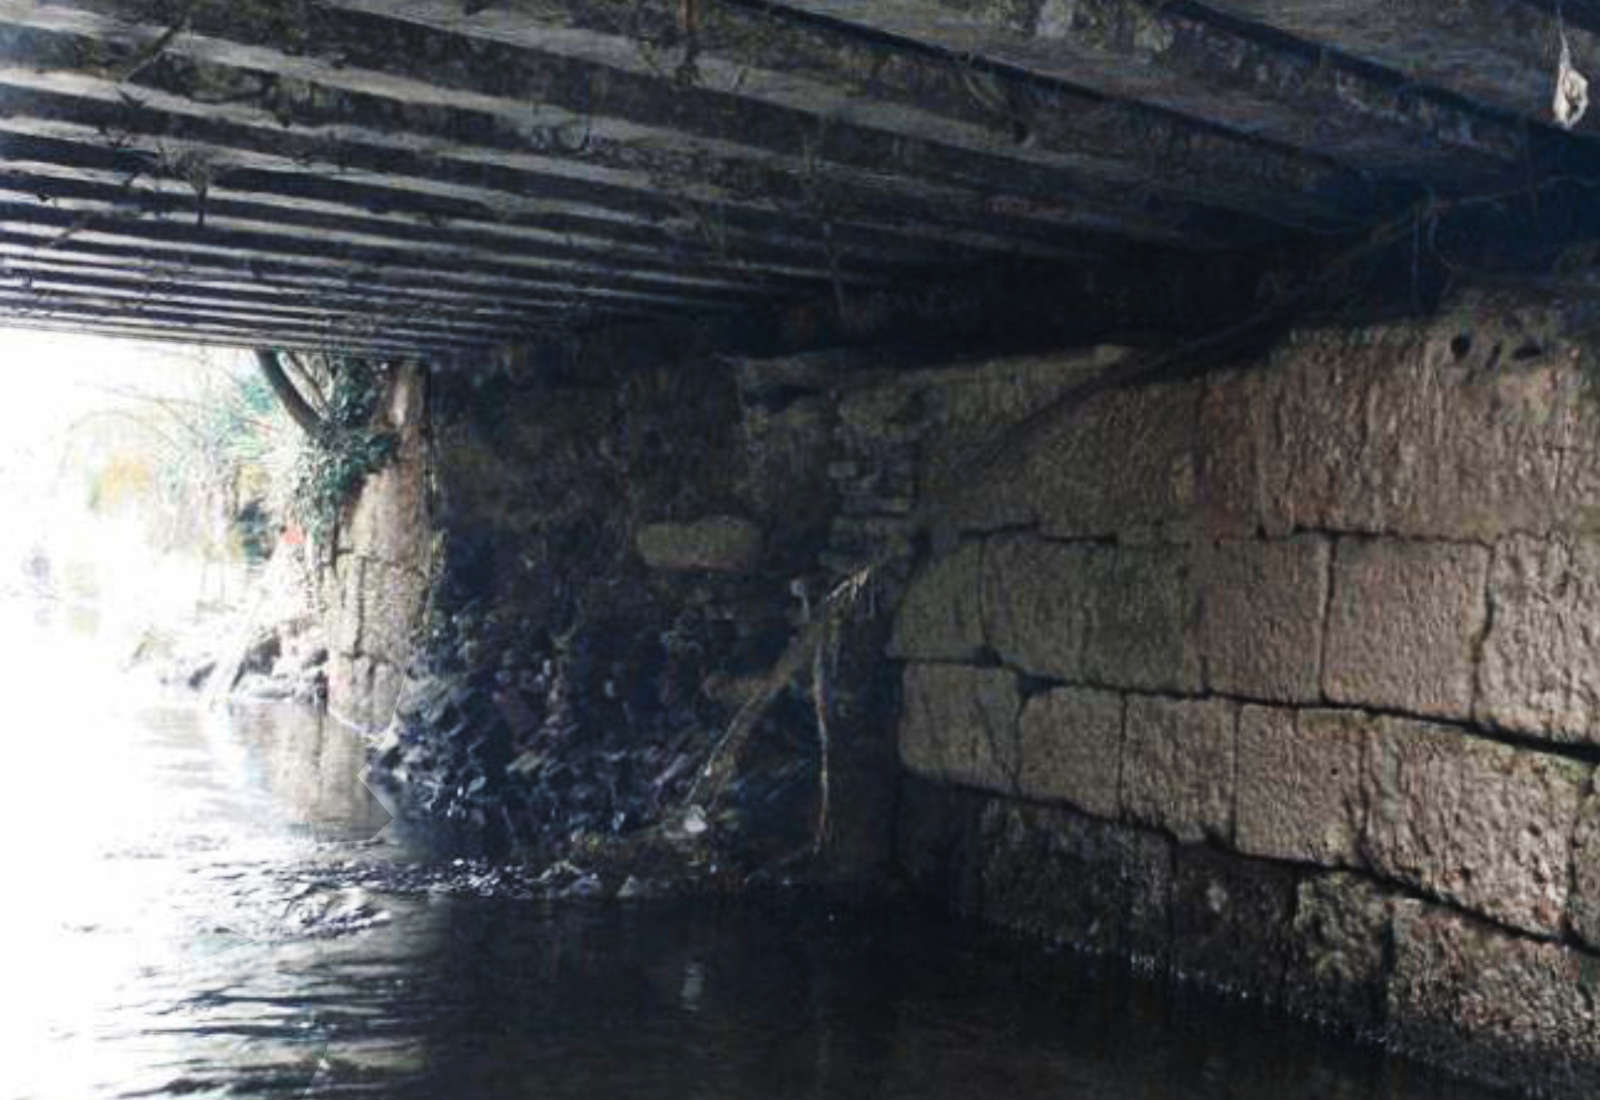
[175,924]
[310,769]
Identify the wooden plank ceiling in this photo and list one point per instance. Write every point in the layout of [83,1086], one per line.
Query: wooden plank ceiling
[437,176]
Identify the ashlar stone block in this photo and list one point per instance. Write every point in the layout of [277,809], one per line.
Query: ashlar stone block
[1499,1007]
[1072,748]
[1462,428]
[959,725]
[1124,464]
[1540,670]
[1583,904]
[1404,623]
[939,617]
[1338,968]
[1178,766]
[1142,626]
[1035,604]
[1473,821]
[718,544]
[1262,612]
[1231,919]
[1299,784]
[1281,444]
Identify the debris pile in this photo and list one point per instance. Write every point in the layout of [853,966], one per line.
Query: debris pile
[507,739]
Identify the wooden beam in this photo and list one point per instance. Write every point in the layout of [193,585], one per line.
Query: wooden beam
[1248,78]
[370,290]
[184,330]
[1497,53]
[597,86]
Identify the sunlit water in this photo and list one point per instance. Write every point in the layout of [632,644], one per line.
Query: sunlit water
[174,923]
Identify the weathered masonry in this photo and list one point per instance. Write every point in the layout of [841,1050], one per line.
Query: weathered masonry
[1281,677]
[1037,417]
[1286,678]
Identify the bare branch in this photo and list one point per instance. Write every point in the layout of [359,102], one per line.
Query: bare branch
[299,410]
[307,378]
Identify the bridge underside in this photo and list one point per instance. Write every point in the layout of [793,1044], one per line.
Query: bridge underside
[442,176]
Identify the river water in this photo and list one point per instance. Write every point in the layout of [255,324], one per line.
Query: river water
[185,914]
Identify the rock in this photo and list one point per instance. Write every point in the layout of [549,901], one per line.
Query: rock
[721,544]
[1300,784]
[694,822]
[1540,672]
[1035,603]
[1472,821]
[1064,878]
[959,724]
[1072,748]
[1178,766]
[939,619]
[322,911]
[1504,1009]
[1262,617]
[1339,945]
[586,886]
[261,653]
[1404,622]
[255,685]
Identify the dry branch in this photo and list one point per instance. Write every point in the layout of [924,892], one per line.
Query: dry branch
[299,410]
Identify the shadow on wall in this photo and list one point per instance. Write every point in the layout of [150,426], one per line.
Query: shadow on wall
[617,568]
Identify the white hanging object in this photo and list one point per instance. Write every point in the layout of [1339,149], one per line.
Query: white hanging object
[1572,90]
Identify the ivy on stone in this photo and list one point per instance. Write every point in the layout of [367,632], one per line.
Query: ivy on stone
[343,445]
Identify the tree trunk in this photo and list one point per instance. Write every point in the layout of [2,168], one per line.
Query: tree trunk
[299,410]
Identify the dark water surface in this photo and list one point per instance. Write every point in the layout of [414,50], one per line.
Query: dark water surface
[179,918]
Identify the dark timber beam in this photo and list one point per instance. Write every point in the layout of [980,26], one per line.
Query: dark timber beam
[874,113]
[388,139]
[423,327]
[1502,53]
[102,217]
[86,315]
[172,282]
[1248,79]
[94,323]
[448,177]
[857,86]
[774,226]
[163,196]
[374,289]
[21,301]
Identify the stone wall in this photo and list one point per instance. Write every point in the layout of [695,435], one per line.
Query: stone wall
[1287,678]
[375,591]
[1283,678]
[621,553]
[574,580]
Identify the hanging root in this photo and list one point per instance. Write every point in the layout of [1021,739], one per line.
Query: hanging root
[819,704]
[810,649]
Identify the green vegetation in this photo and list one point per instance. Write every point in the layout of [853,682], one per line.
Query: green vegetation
[344,446]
